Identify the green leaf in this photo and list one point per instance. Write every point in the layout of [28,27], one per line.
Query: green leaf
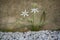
[42,18]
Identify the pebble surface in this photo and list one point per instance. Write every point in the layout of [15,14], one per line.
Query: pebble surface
[39,35]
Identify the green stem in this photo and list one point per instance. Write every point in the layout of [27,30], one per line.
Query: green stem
[33,22]
[33,18]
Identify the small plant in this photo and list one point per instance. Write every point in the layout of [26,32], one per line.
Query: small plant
[34,11]
[41,23]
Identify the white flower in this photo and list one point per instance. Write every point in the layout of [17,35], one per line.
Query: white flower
[34,10]
[25,13]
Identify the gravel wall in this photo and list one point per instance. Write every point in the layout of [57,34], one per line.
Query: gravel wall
[39,35]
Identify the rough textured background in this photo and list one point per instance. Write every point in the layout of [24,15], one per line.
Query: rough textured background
[53,13]
[10,11]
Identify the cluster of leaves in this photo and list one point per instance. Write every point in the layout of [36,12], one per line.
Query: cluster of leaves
[35,10]
[41,24]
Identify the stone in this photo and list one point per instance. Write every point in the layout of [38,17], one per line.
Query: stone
[39,35]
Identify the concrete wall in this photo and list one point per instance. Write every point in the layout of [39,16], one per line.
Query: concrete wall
[10,11]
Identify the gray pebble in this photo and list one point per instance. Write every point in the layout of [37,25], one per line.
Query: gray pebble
[39,35]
